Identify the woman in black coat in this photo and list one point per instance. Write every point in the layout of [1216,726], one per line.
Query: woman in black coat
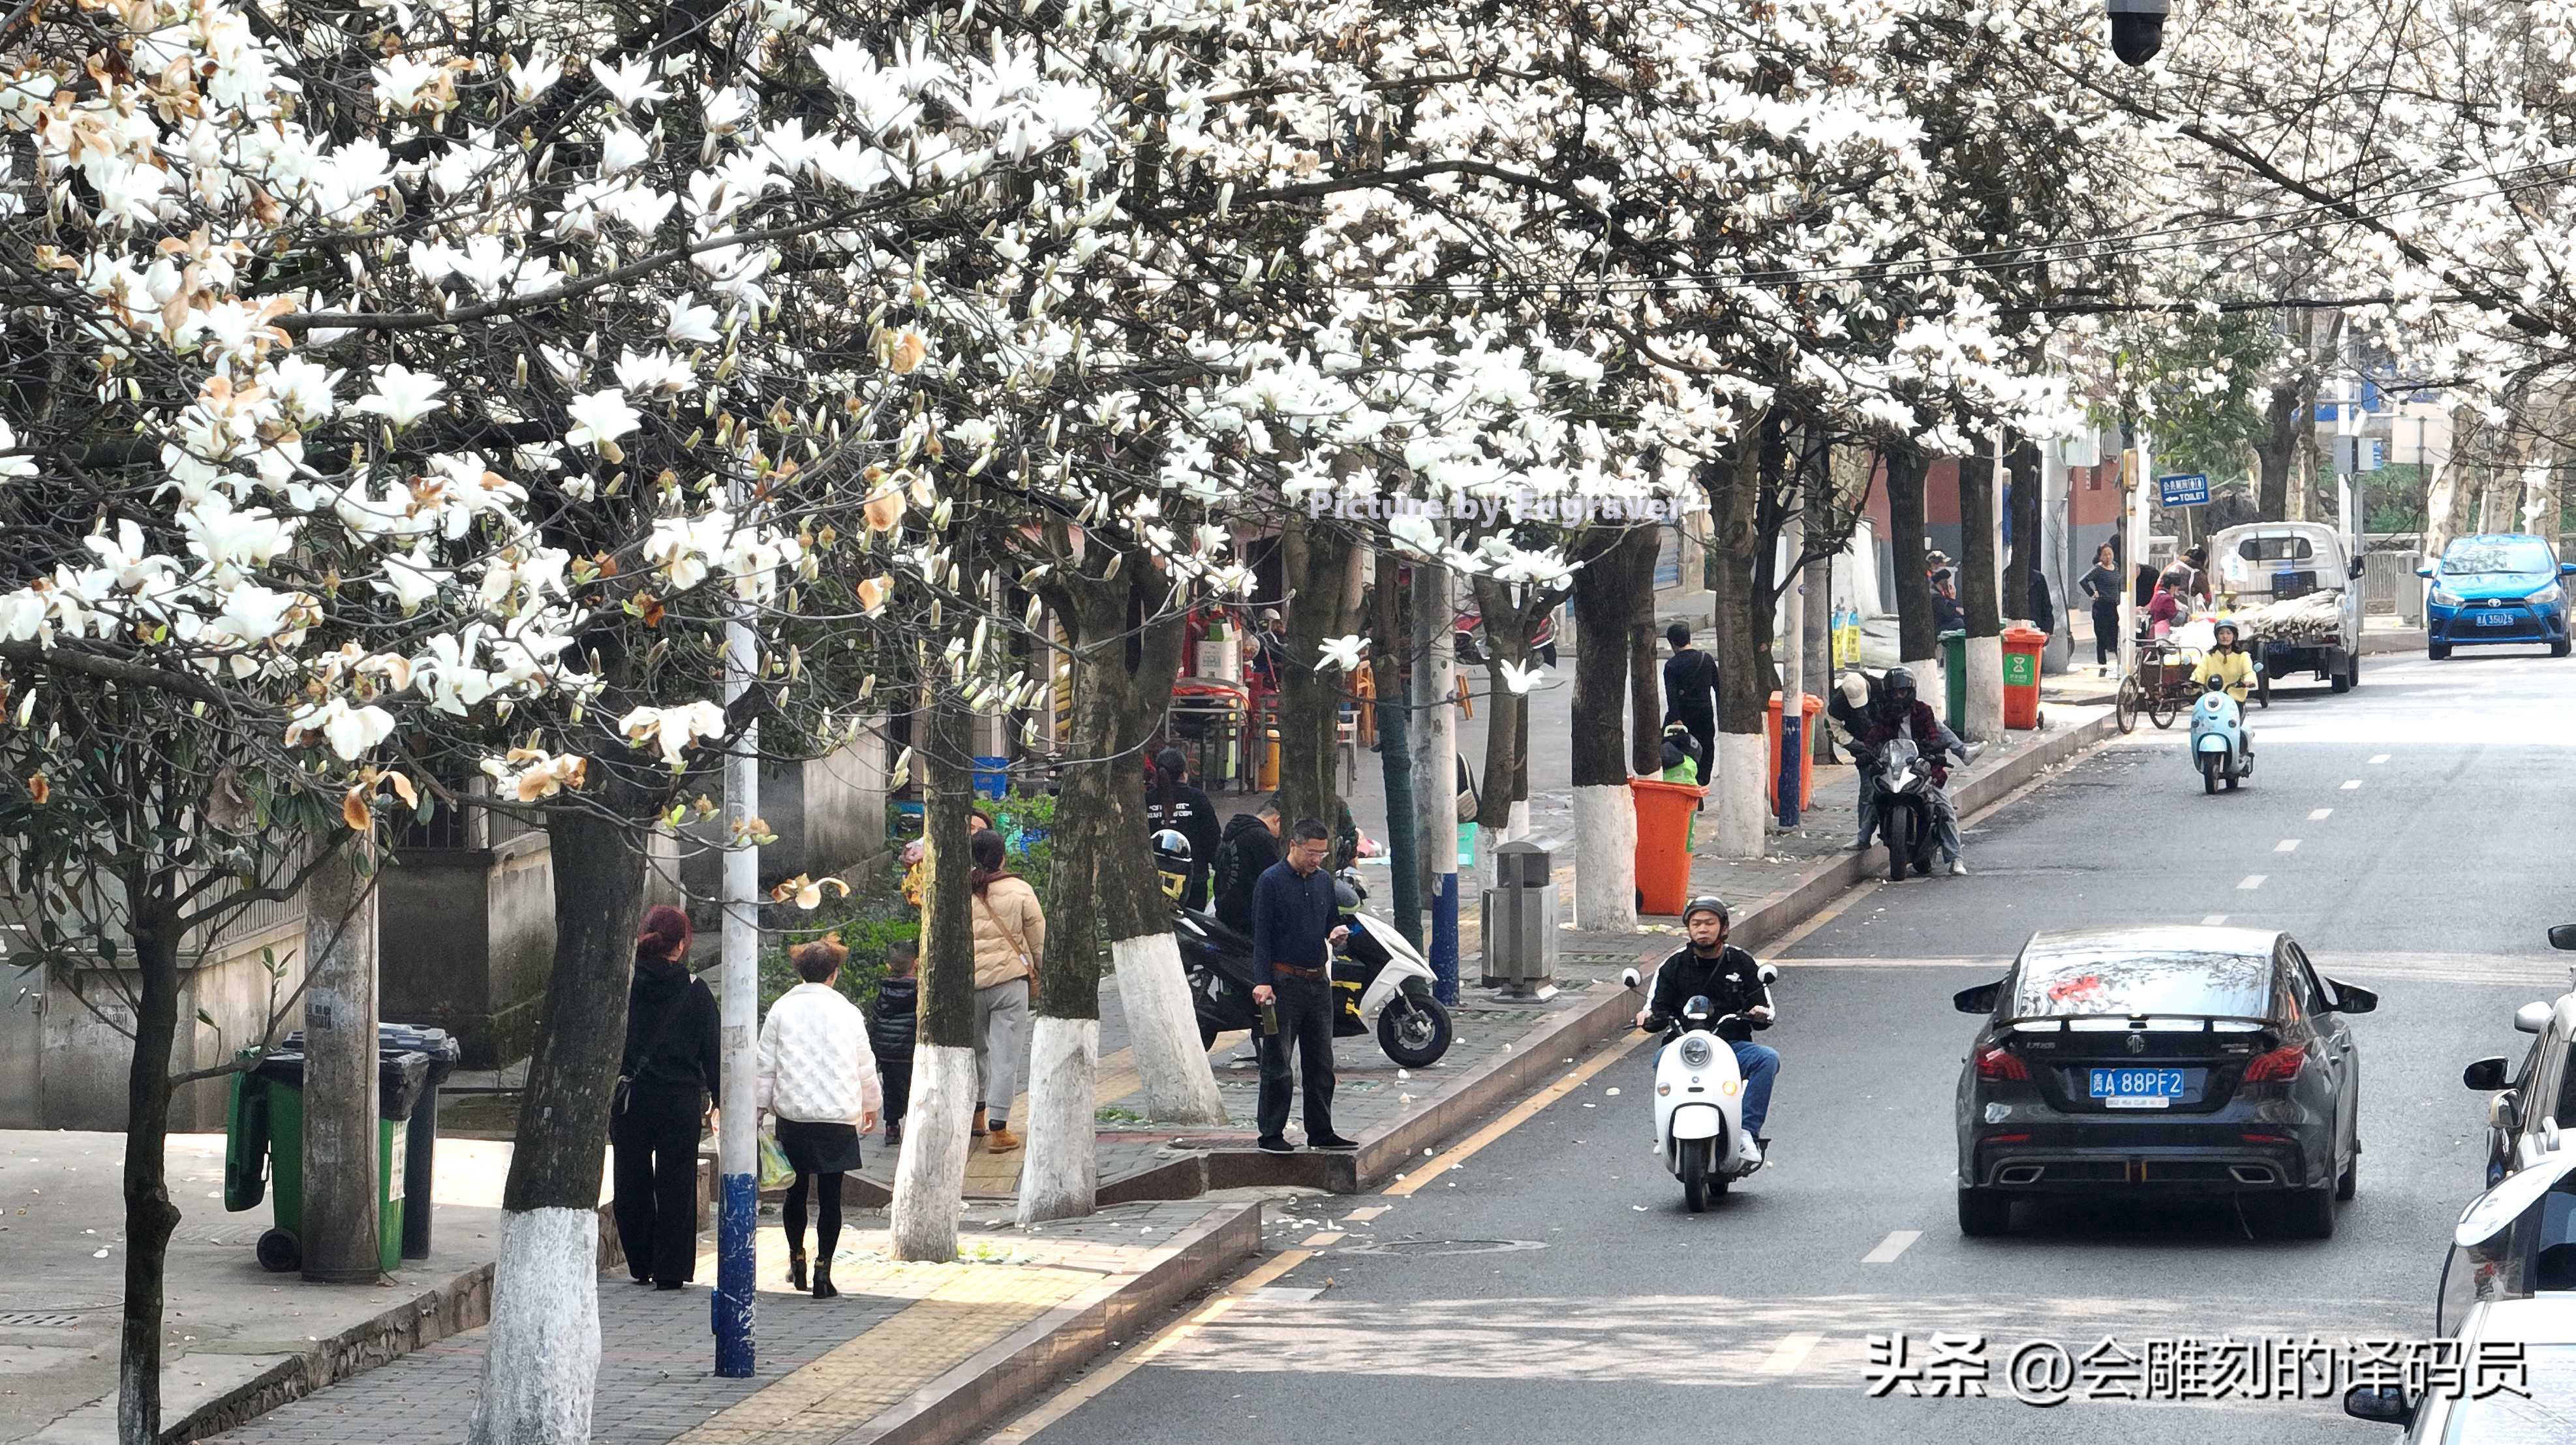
[1178,804]
[668,1074]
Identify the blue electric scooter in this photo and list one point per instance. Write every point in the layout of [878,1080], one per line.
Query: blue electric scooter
[2218,738]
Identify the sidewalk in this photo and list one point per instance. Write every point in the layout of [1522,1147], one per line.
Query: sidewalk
[922,1353]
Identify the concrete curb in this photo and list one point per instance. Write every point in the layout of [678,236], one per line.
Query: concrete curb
[974,1396]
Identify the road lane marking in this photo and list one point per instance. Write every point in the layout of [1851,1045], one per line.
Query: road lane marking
[1361,1216]
[2319,815]
[2286,845]
[1790,1353]
[1081,1392]
[1512,1118]
[2213,920]
[2252,881]
[1892,1246]
[2383,757]
[2351,783]
[1320,1238]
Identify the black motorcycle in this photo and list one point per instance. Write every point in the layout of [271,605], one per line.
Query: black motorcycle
[1902,784]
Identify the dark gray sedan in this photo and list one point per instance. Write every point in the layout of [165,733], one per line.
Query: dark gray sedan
[2161,1061]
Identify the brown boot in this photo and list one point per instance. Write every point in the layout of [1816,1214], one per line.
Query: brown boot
[978,1131]
[1003,1141]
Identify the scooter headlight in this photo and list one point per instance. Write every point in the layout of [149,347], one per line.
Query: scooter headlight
[1696,1052]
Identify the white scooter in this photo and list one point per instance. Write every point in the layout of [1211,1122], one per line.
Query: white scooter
[1699,1098]
[2218,739]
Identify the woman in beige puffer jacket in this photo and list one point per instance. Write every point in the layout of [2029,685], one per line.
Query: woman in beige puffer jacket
[1010,938]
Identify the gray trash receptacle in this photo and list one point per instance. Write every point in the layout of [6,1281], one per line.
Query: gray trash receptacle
[1520,919]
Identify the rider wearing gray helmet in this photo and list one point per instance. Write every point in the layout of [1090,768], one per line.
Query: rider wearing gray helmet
[1728,977]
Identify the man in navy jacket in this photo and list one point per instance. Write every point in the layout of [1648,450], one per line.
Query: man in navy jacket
[1295,927]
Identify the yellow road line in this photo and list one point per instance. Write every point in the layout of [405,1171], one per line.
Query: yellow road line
[1081,1392]
[1512,1118]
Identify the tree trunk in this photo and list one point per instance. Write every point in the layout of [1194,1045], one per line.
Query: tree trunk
[2276,452]
[2029,532]
[930,1179]
[1976,573]
[1916,634]
[1395,756]
[1316,560]
[1435,766]
[1734,489]
[1061,1177]
[1506,768]
[543,1360]
[340,1224]
[1605,812]
[1645,685]
[150,1217]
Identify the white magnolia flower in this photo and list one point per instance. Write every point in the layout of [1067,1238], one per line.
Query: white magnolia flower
[403,396]
[600,417]
[12,462]
[655,372]
[304,388]
[1343,652]
[631,84]
[532,80]
[673,729]
[690,324]
[1521,679]
[351,731]
[622,150]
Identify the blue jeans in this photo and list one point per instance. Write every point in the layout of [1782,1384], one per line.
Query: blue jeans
[1760,1064]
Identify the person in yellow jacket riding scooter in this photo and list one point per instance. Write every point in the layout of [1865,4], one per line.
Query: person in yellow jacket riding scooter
[2233,666]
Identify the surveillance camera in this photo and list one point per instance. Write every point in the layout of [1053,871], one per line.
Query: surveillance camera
[2137,29]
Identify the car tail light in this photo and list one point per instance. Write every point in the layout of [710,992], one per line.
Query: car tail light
[2265,1139]
[2277,1067]
[2000,1064]
[2007,1138]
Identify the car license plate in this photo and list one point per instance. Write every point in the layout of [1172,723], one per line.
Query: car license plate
[2138,1088]
[2495,619]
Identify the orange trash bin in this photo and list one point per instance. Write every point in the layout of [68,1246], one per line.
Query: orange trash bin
[2022,647]
[1811,708]
[1664,813]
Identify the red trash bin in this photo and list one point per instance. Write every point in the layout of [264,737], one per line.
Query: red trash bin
[1664,813]
[2022,647]
[1812,707]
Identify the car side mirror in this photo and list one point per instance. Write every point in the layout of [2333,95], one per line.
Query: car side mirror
[2383,1403]
[1978,1000]
[2351,1000]
[2486,1075]
[1627,978]
[2563,936]
[2531,1018]
[2567,569]
[2425,571]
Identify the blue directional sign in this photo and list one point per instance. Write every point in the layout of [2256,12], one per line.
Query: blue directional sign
[2184,489]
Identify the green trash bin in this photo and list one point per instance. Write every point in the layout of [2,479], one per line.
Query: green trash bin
[264,1147]
[1954,678]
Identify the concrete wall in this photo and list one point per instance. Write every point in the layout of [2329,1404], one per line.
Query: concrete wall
[86,1053]
[829,814]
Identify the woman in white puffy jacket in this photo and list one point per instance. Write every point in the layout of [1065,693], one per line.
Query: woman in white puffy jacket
[819,1080]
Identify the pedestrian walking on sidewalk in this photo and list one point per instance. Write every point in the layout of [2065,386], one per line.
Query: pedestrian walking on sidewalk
[818,1079]
[670,1070]
[892,1026]
[1295,927]
[1010,934]
[1690,697]
[1174,802]
[2102,584]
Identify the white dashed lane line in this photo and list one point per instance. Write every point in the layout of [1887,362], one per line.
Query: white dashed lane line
[1892,1246]
[2383,757]
[2319,815]
[2286,845]
[2213,920]
[1790,1353]
[2351,783]
[2252,881]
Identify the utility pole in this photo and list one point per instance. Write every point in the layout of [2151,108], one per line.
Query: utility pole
[1793,627]
[341,1244]
[1435,763]
[2133,545]
[738,1007]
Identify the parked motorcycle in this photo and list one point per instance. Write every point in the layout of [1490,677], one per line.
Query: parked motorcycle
[2218,739]
[1904,780]
[1699,1097]
[1469,626]
[1381,983]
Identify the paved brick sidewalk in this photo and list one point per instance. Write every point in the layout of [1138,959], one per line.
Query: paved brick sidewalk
[827,1367]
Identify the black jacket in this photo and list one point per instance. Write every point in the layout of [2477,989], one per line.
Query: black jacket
[2043,607]
[670,1030]
[1194,818]
[1247,852]
[1690,691]
[893,1022]
[1947,614]
[1731,981]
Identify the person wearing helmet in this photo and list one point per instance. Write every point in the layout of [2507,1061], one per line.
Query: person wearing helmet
[1899,713]
[2233,666]
[1847,707]
[1729,978]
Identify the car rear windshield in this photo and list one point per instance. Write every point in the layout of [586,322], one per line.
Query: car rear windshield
[2504,554]
[2537,1409]
[2291,548]
[2118,984]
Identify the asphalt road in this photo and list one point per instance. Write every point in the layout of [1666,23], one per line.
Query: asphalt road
[1552,1286]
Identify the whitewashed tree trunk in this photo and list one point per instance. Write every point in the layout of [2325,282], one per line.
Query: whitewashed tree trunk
[930,1179]
[1736,809]
[1163,1031]
[1985,716]
[541,1355]
[1061,1176]
[1605,859]
[1929,684]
